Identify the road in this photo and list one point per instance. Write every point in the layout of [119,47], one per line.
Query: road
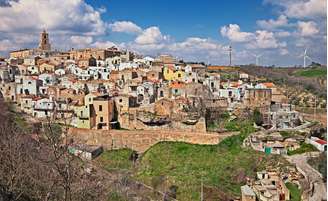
[318,191]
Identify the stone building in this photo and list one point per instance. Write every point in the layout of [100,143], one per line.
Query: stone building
[247,194]
[257,98]
[104,111]
[44,44]
[281,116]
[20,54]
[99,54]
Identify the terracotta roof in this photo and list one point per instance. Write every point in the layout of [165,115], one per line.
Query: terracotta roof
[268,84]
[234,84]
[322,142]
[177,85]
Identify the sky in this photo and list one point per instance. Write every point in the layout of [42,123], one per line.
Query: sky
[278,31]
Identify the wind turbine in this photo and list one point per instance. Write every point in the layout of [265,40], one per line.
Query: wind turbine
[305,56]
[257,56]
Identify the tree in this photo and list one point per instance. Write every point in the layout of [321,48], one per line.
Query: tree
[257,117]
[35,163]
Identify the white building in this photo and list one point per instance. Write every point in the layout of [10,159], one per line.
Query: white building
[320,144]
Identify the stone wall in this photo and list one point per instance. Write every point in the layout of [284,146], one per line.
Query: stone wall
[141,140]
[130,120]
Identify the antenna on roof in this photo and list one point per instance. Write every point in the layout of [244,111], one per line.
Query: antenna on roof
[230,54]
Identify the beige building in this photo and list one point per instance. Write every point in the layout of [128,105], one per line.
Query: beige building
[258,97]
[20,54]
[104,111]
[47,67]
[99,54]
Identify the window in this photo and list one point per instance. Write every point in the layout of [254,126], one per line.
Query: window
[100,107]
[161,94]
[101,119]
[120,100]
[29,82]
[176,91]
[81,113]
[179,75]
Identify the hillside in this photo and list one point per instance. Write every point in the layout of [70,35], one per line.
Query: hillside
[223,168]
[317,72]
[302,86]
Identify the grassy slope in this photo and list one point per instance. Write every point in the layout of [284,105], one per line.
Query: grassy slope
[116,159]
[295,193]
[223,166]
[220,165]
[312,72]
[303,149]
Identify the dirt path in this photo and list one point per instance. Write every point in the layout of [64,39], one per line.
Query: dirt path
[318,187]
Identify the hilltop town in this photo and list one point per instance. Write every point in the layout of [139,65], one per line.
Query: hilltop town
[111,99]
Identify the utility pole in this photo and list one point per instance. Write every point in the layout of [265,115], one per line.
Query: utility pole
[230,54]
[201,191]
[315,107]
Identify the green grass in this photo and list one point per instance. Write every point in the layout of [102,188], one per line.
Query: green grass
[237,125]
[312,72]
[295,193]
[116,159]
[114,196]
[289,134]
[224,166]
[286,134]
[303,149]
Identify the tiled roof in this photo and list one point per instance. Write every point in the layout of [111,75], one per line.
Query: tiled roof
[322,142]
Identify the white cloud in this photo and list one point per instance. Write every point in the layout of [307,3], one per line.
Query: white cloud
[307,28]
[273,24]
[5,45]
[282,34]
[265,40]
[104,44]
[74,16]
[232,31]
[125,27]
[151,35]
[283,52]
[81,41]
[195,44]
[306,9]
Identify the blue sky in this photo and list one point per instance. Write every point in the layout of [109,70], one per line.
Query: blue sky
[185,18]
[279,30]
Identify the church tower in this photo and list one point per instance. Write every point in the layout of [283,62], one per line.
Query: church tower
[44,44]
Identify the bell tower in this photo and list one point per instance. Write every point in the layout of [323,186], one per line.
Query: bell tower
[44,41]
